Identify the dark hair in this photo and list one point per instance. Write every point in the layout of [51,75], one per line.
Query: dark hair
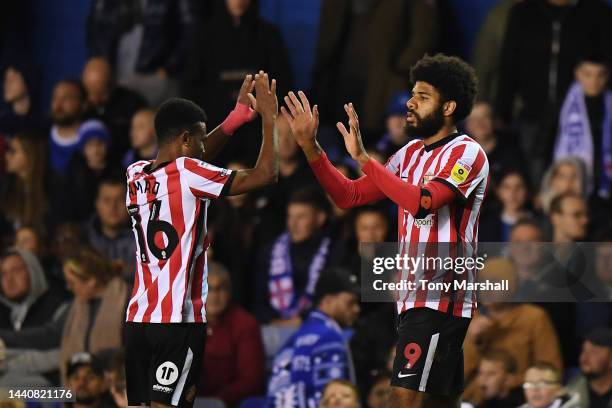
[503,357]
[312,196]
[77,84]
[454,78]
[530,222]
[546,366]
[175,116]
[111,180]
[557,202]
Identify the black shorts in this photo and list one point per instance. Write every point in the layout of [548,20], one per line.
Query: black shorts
[163,362]
[429,353]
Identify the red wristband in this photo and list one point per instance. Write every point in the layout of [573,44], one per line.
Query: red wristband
[240,115]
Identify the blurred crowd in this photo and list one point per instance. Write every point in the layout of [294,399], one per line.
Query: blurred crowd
[544,118]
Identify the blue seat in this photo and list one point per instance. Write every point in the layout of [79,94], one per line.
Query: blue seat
[254,402]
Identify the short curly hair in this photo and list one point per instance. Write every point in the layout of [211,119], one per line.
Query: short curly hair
[454,78]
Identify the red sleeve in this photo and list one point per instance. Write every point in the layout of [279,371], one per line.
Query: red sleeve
[344,192]
[408,196]
[250,376]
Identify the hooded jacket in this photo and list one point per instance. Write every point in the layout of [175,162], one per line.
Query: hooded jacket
[39,306]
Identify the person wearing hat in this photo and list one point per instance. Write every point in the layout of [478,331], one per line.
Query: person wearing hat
[85,374]
[594,383]
[395,123]
[317,352]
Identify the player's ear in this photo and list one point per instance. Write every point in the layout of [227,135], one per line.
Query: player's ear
[449,107]
[185,138]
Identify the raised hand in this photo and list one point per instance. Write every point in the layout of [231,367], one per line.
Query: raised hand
[266,103]
[302,120]
[352,137]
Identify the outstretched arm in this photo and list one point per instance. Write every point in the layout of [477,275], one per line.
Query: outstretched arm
[241,114]
[266,169]
[417,200]
[304,123]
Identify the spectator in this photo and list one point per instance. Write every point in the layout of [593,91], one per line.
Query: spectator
[290,266]
[542,44]
[294,174]
[585,124]
[370,227]
[317,352]
[88,170]
[114,374]
[569,218]
[496,376]
[86,380]
[28,302]
[214,70]
[594,383]
[523,330]
[96,316]
[23,191]
[234,354]
[542,388]
[603,265]
[142,138]
[512,194]
[487,49]
[21,111]
[109,231]
[112,104]
[526,254]
[502,153]
[145,43]
[68,106]
[564,176]
[340,394]
[365,52]
[395,138]
[380,390]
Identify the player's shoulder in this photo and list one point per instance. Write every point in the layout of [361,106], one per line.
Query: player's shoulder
[471,146]
[401,153]
[199,167]
[136,168]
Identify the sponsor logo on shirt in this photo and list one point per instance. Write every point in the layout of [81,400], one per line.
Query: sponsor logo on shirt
[460,171]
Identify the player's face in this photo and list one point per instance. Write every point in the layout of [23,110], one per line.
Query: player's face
[595,361]
[492,379]
[370,227]
[14,278]
[592,77]
[339,396]
[425,111]
[110,205]
[542,389]
[195,146]
[66,105]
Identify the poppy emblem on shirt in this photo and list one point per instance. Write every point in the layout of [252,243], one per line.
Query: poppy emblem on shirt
[460,172]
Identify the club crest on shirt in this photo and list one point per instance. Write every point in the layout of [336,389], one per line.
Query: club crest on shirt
[460,171]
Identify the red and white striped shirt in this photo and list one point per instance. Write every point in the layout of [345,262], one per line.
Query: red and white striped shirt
[460,163]
[168,209]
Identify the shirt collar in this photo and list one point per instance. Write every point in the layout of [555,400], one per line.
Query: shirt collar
[441,142]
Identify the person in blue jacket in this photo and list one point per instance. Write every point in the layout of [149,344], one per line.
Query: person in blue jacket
[317,352]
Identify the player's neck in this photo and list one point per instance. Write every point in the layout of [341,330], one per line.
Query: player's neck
[166,154]
[442,133]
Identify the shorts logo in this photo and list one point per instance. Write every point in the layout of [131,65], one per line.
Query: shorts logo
[460,171]
[167,373]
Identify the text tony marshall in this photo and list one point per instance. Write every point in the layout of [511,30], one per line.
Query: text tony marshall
[405,285]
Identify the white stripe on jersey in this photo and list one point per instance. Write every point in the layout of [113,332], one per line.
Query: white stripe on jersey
[417,164]
[168,209]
